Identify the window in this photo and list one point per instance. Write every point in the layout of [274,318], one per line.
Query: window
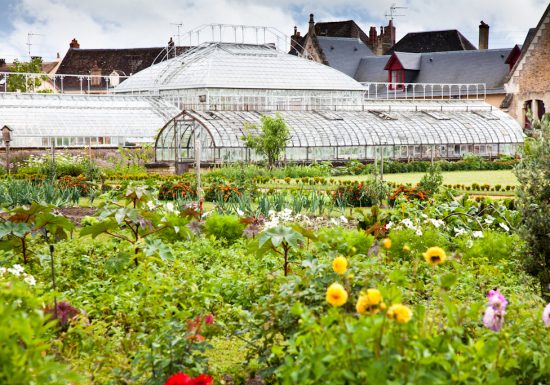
[397,78]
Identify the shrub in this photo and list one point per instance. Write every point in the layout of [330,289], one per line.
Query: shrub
[78,182]
[363,194]
[176,190]
[409,193]
[223,191]
[224,227]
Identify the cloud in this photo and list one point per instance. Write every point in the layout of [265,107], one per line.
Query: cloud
[142,23]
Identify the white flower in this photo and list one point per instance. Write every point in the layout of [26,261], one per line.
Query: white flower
[504,226]
[150,205]
[489,219]
[477,234]
[419,232]
[344,219]
[177,229]
[469,243]
[408,223]
[29,279]
[170,207]
[240,212]
[423,215]
[437,223]
[3,270]
[459,231]
[389,225]
[16,270]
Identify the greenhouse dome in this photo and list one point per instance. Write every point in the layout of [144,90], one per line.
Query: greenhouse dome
[229,76]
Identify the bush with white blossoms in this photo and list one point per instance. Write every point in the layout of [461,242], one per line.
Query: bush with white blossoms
[17,271]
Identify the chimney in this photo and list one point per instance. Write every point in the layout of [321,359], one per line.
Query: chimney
[74,44]
[2,62]
[373,35]
[294,40]
[311,30]
[483,35]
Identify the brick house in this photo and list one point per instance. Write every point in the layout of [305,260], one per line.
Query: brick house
[528,85]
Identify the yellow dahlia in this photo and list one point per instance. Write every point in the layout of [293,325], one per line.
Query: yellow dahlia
[386,243]
[406,248]
[399,313]
[340,265]
[435,255]
[336,295]
[369,302]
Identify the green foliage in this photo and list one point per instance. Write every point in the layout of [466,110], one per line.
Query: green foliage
[271,139]
[14,192]
[225,227]
[22,83]
[26,354]
[281,240]
[533,201]
[431,182]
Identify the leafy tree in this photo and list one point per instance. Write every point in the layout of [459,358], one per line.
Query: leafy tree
[272,139]
[533,173]
[431,181]
[24,83]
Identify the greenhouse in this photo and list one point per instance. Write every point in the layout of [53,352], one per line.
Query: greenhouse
[45,120]
[398,130]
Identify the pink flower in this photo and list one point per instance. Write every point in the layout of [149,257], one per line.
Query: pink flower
[497,300]
[546,315]
[209,319]
[493,319]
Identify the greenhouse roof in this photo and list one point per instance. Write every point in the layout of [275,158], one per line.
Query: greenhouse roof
[238,66]
[65,115]
[389,124]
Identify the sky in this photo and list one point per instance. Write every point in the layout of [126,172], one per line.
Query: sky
[147,23]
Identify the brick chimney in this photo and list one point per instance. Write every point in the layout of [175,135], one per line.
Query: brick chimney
[373,36]
[74,44]
[311,29]
[483,35]
[294,41]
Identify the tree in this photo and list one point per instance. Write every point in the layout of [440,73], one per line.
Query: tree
[271,140]
[533,193]
[23,83]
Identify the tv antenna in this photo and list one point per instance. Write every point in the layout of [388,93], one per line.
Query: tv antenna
[180,26]
[29,44]
[393,10]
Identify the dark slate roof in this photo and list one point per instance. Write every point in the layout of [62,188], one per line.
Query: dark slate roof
[128,61]
[463,67]
[371,69]
[432,41]
[483,66]
[347,28]
[409,61]
[344,53]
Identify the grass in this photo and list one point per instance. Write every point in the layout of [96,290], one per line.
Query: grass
[490,177]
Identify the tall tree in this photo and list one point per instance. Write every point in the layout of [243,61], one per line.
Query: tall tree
[271,140]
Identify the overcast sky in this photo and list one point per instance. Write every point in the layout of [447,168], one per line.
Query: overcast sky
[145,23]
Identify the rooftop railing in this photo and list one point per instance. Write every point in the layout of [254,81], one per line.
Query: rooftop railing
[426,91]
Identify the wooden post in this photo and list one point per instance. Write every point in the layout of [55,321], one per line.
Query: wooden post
[198,158]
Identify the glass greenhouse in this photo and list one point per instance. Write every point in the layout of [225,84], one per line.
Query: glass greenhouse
[398,130]
[207,95]
[43,120]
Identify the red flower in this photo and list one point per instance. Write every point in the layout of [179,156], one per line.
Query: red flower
[203,379]
[180,379]
[209,319]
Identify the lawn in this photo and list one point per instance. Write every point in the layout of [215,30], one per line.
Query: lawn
[502,177]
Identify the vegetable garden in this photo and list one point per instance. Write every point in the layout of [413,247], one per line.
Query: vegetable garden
[272,278]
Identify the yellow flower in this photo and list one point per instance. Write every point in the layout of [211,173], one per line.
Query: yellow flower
[435,255]
[406,248]
[336,295]
[399,313]
[340,265]
[386,243]
[370,301]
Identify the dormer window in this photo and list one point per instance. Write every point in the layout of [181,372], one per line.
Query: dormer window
[96,76]
[402,67]
[396,78]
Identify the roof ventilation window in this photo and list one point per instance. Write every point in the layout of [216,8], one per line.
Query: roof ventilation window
[436,115]
[383,115]
[207,115]
[487,115]
[328,115]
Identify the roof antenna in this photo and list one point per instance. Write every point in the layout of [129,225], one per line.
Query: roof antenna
[393,10]
[29,44]
[179,25]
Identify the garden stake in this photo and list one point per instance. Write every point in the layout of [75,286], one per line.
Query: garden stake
[53,281]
